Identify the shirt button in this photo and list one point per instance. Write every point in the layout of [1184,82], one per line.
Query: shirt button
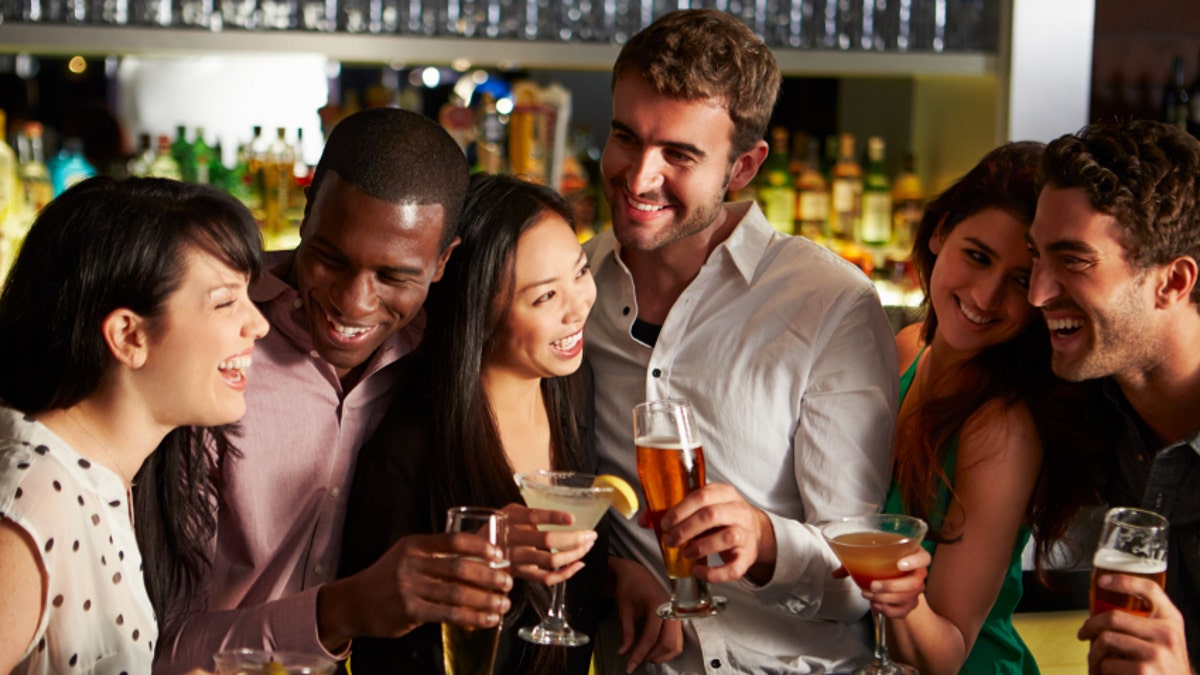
[297,303]
[335,491]
[319,569]
[315,354]
[715,663]
[656,372]
[625,311]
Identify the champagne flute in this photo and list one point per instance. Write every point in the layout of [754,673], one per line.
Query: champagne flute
[468,650]
[670,465]
[869,547]
[577,494]
[1132,541]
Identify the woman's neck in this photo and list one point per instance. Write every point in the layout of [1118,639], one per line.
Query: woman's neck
[107,432]
[519,410]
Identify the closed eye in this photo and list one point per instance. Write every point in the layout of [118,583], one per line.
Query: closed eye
[544,298]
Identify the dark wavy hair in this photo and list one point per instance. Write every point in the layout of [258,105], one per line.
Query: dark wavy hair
[1017,370]
[106,244]
[464,311]
[1146,174]
[697,54]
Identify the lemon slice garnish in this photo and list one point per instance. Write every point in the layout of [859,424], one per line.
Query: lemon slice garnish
[624,500]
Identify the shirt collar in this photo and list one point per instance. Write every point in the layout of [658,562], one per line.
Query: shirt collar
[745,246]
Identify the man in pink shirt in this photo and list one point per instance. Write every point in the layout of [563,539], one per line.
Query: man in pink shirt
[343,307]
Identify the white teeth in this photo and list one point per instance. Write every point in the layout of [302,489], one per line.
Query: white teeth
[1063,324]
[646,207]
[971,316]
[236,363]
[568,343]
[347,331]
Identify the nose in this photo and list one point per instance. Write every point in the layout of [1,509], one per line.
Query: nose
[580,303]
[645,174]
[1042,287]
[990,291]
[354,295]
[256,324]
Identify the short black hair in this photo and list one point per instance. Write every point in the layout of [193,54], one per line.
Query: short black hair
[400,157]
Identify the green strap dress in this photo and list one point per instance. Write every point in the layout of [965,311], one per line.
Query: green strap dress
[999,648]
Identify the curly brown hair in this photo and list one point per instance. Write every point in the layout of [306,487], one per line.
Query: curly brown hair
[698,54]
[1145,174]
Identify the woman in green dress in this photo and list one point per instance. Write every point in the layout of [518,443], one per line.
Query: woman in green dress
[980,415]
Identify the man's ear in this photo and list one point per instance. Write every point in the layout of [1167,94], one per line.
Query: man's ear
[745,167]
[126,333]
[1175,281]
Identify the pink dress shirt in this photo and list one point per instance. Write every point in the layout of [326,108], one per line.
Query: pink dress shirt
[282,503]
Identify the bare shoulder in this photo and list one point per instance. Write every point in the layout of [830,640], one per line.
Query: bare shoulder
[909,343]
[1000,431]
[22,585]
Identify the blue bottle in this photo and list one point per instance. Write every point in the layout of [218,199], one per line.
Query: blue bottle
[69,166]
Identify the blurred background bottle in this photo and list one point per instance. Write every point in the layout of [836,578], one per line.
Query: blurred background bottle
[69,166]
[876,229]
[907,205]
[164,164]
[775,192]
[812,195]
[32,172]
[845,191]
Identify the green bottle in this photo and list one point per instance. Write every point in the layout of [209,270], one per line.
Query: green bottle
[200,156]
[181,152]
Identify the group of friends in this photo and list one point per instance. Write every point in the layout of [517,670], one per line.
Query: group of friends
[271,441]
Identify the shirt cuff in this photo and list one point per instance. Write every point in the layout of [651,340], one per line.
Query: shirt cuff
[302,630]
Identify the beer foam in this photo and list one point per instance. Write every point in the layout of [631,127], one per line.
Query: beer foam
[664,443]
[1127,563]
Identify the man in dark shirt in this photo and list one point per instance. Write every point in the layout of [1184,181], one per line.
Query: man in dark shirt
[1116,244]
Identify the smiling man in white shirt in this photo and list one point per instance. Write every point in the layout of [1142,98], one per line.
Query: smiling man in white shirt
[782,348]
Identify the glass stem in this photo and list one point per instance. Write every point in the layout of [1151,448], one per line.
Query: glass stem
[881,653]
[556,615]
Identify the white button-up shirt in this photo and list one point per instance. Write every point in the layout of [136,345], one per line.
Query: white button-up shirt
[790,363]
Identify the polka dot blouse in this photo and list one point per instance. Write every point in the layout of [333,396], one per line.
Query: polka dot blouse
[98,618]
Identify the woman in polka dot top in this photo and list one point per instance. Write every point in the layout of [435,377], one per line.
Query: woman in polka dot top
[125,328]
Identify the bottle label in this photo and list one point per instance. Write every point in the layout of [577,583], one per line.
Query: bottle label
[876,218]
[812,207]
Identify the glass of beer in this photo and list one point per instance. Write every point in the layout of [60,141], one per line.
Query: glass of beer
[869,548]
[468,650]
[1132,541]
[670,465]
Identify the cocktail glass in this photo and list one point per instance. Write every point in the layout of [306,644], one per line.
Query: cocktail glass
[670,465]
[468,650]
[259,662]
[574,493]
[869,547]
[1132,541]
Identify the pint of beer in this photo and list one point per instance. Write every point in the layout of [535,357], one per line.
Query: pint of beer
[1134,542]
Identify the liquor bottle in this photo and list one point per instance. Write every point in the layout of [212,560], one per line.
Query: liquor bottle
[490,136]
[139,164]
[876,228]
[164,164]
[277,179]
[181,152]
[32,172]
[1176,109]
[9,194]
[812,196]
[907,205]
[69,166]
[201,157]
[845,191]
[776,195]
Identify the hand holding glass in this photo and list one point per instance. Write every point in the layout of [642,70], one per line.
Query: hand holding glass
[576,494]
[670,466]
[1132,541]
[468,650]
[870,547]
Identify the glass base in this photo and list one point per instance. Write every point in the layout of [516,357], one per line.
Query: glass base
[712,608]
[563,636]
[889,668]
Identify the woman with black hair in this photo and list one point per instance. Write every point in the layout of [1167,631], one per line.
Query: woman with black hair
[125,330]
[495,389]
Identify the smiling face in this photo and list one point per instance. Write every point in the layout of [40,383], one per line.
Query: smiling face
[363,269]
[199,352]
[541,333]
[979,282]
[666,165]
[1097,306]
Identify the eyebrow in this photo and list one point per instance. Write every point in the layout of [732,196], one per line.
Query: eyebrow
[543,282]
[329,249]
[677,145]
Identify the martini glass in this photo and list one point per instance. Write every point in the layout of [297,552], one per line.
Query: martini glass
[869,547]
[574,493]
